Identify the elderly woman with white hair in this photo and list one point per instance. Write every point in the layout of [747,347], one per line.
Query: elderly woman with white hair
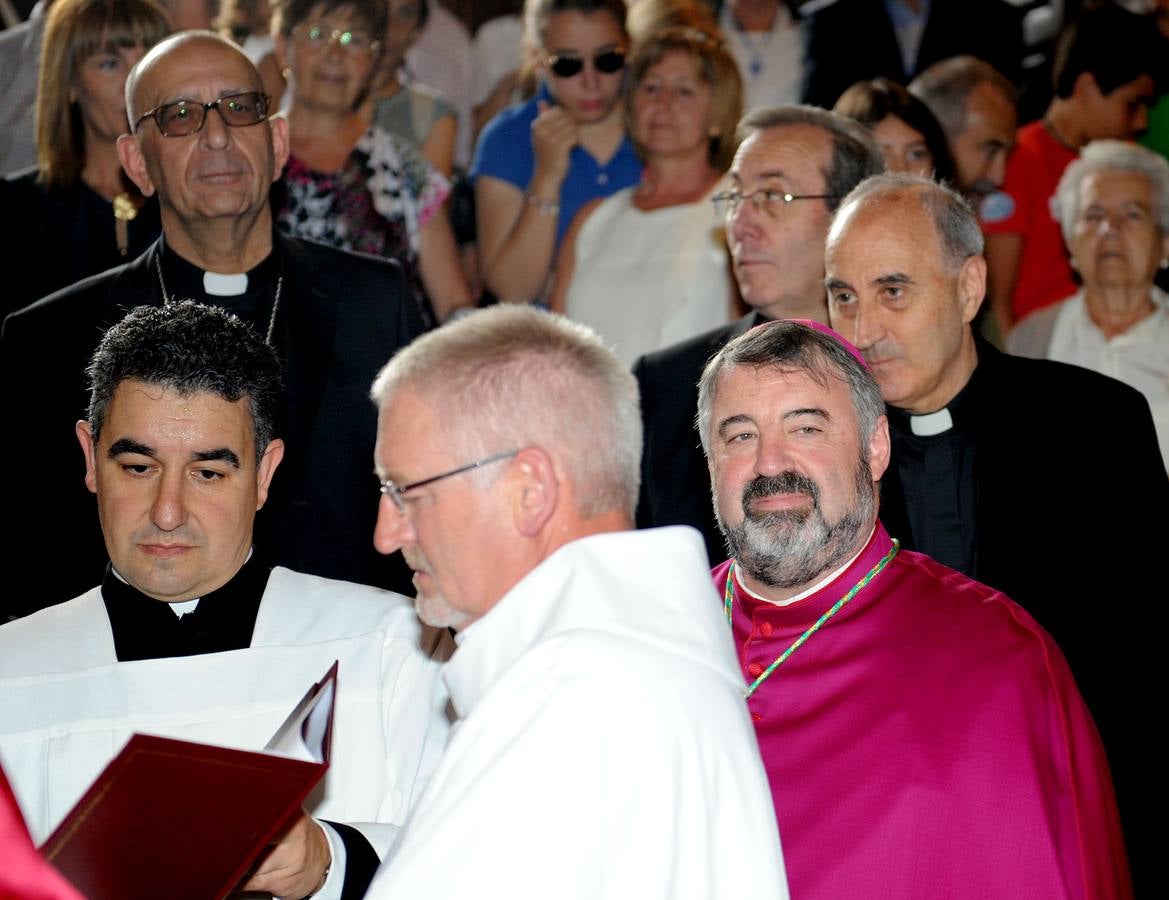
[1113,207]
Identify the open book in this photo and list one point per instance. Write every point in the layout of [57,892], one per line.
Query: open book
[177,819]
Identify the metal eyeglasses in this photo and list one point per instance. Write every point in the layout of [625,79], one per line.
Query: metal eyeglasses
[395,491]
[186,117]
[765,200]
[350,39]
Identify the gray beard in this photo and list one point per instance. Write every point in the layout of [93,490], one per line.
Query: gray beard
[433,610]
[792,548]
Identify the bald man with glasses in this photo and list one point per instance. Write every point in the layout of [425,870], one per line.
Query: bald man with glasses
[204,142]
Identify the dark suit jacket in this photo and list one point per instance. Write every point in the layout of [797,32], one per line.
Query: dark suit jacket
[675,483]
[853,40]
[51,238]
[342,316]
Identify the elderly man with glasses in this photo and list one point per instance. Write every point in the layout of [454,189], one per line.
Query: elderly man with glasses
[203,141]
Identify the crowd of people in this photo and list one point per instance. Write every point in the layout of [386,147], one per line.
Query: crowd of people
[837,286]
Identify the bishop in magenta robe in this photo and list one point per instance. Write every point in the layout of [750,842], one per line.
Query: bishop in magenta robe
[927,741]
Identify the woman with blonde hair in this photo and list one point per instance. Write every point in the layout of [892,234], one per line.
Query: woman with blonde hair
[77,213]
[648,266]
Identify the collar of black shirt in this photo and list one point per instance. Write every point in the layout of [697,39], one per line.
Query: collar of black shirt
[145,628]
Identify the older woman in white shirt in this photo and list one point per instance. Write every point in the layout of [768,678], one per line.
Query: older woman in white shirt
[647,267]
[1113,207]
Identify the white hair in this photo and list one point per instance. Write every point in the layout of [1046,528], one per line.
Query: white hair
[1111,156]
[511,377]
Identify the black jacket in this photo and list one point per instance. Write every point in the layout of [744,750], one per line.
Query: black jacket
[853,40]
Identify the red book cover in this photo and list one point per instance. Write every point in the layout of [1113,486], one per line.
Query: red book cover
[177,819]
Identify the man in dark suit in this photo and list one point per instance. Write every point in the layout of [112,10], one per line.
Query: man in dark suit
[203,142]
[793,167]
[1040,479]
[846,41]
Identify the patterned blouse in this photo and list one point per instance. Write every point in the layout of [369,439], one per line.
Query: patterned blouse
[377,202]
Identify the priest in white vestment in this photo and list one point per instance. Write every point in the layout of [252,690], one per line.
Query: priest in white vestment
[603,748]
[190,635]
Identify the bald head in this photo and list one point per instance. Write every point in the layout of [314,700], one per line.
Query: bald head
[171,53]
[213,165]
[905,278]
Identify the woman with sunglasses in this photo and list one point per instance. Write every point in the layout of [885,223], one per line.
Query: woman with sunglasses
[77,213]
[349,183]
[648,267]
[538,163]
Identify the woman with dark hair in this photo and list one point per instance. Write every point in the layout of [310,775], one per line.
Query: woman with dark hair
[77,213]
[401,105]
[248,23]
[349,183]
[647,267]
[538,163]
[910,138]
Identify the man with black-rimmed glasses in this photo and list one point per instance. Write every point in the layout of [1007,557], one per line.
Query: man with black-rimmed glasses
[204,141]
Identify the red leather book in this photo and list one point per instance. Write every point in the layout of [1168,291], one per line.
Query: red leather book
[177,819]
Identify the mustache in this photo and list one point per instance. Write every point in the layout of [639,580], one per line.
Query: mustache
[788,482]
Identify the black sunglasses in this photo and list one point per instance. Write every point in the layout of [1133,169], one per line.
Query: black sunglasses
[565,65]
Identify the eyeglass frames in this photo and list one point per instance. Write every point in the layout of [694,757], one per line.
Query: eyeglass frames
[187,117]
[766,200]
[566,65]
[395,491]
[319,36]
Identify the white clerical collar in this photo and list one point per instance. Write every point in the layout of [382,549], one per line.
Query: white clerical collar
[217,285]
[808,592]
[931,423]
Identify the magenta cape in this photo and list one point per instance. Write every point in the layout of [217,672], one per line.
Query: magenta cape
[928,741]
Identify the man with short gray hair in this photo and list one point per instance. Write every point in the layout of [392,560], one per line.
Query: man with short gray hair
[990,452]
[602,748]
[904,711]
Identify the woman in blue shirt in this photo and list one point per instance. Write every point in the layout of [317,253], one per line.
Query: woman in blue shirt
[537,163]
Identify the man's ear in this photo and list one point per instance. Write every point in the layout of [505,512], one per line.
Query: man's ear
[130,155]
[971,287]
[1085,87]
[273,454]
[879,449]
[537,490]
[280,149]
[89,449]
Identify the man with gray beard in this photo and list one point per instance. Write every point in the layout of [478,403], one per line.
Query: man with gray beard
[922,734]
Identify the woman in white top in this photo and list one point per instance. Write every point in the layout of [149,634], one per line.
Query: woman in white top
[1113,208]
[648,266]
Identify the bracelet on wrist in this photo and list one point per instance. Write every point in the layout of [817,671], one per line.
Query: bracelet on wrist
[544,207]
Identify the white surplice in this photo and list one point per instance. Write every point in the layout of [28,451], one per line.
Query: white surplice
[67,706]
[603,749]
